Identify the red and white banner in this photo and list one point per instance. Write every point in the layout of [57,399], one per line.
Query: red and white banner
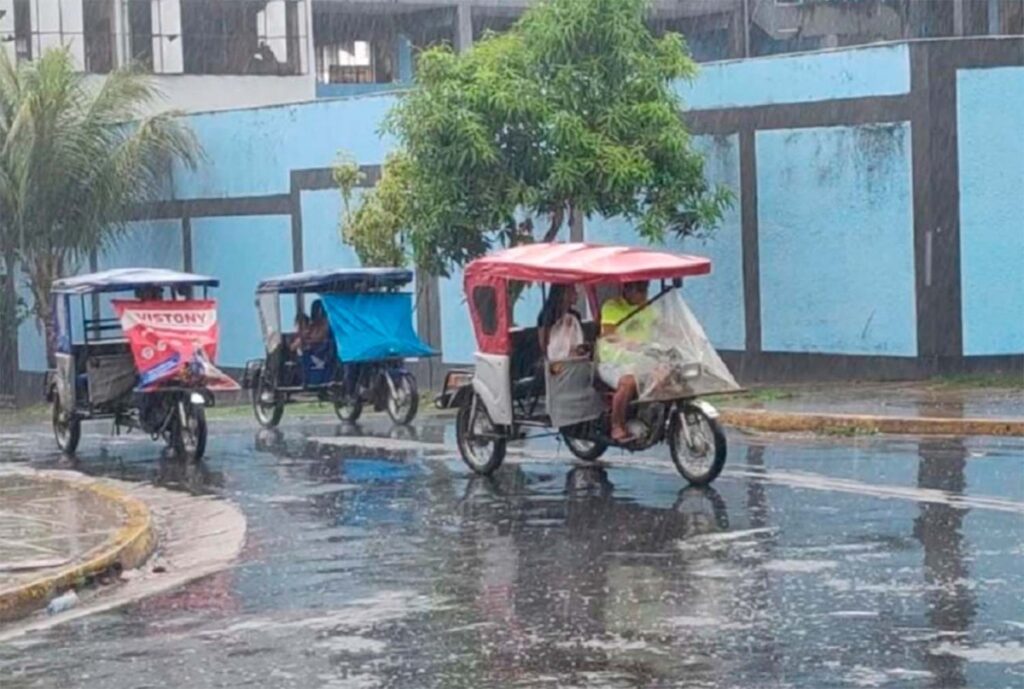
[173,342]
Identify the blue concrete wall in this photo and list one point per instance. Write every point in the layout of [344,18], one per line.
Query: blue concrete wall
[252,152]
[990,138]
[804,78]
[241,251]
[321,239]
[835,218]
[835,211]
[716,300]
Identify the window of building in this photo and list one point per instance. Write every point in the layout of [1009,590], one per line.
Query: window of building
[22,30]
[352,50]
[242,36]
[139,22]
[98,30]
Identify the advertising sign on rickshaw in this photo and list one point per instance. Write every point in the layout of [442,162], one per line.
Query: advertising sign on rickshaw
[173,342]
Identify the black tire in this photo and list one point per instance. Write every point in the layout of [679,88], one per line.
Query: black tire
[483,457]
[403,411]
[267,415]
[348,410]
[585,450]
[190,442]
[67,428]
[684,459]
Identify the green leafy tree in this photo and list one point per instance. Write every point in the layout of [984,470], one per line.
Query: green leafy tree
[571,112]
[373,228]
[76,156]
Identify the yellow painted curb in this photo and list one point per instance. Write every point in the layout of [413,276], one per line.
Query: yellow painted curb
[129,547]
[783,422]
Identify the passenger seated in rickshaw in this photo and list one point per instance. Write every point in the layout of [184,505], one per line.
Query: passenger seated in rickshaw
[311,332]
[560,326]
[317,346]
[624,332]
[150,293]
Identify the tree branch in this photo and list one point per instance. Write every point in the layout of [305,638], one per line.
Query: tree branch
[557,216]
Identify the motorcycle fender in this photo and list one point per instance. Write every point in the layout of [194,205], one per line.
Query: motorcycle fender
[708,409]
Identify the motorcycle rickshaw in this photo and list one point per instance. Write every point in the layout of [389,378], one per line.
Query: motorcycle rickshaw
[358,356]
[514,388]
[149,367]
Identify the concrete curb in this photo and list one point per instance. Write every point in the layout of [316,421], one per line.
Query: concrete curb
[783,422]
[129,547]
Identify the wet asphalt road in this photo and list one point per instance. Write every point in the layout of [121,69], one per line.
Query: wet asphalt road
[384,563]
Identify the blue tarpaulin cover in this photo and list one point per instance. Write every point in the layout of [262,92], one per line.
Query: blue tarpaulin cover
[370,326]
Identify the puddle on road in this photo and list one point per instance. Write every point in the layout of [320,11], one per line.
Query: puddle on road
[383,562]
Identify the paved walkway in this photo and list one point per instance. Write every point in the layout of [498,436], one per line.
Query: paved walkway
[47,525]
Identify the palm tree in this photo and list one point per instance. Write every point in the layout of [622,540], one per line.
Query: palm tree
[76,155]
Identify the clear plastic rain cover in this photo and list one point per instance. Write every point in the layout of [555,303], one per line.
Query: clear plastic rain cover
[667,352]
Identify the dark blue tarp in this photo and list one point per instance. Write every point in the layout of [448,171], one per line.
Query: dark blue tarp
[370,326]
[337,280]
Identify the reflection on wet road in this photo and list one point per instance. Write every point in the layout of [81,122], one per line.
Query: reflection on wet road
[385,563]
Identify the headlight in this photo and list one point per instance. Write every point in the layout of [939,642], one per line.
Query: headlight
[691,371]
[197,399]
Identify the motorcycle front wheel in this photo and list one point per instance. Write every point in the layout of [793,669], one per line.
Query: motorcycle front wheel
[189,439]
[403,398]
[700,457]
[481,448]
[67,428]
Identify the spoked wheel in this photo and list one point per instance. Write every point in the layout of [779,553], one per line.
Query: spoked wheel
[481,448]
[403,398]
[266,406]
[348,408]
[189,438]
[587,450]
[701,456]
[67,428]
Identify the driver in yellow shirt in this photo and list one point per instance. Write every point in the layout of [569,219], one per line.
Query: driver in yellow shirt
[622,335]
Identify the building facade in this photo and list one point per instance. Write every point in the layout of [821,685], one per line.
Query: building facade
[218,54]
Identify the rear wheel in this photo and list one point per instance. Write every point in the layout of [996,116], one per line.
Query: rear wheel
[348,409]
[586,450]
[67,428]
[481,448]
[404,400]
[189,438]
[266,405]
[700,457]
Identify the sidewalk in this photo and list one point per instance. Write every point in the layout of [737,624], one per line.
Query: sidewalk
[58,533]
[918,408]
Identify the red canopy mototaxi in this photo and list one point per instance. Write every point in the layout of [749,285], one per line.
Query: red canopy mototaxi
[587,265]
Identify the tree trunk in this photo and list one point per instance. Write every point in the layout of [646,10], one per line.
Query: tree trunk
[515,288]
[8,327]
[42,272]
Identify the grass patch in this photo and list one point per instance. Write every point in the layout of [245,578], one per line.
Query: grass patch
[755,395]
[847,431]
[11,418]
[964,382]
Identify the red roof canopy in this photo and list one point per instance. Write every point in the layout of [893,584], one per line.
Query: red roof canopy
[584,264]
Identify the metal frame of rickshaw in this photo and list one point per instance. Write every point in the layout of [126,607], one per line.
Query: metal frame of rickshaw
[110,282]
[319,282]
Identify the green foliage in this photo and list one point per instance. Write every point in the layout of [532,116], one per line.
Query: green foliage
[75,157]
[374,229]
[572,111]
